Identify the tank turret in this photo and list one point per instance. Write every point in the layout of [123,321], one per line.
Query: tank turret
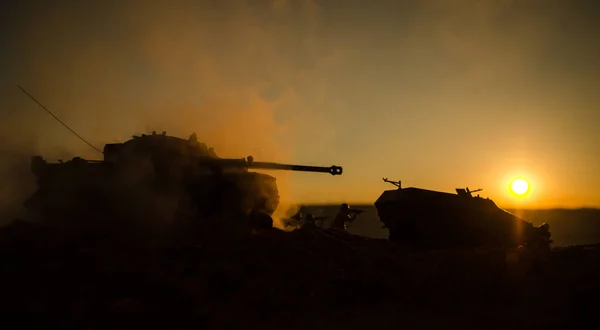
[434,219]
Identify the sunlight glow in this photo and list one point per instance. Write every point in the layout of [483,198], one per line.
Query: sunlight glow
[519,187]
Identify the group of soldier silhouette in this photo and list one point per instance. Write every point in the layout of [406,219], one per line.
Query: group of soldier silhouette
[340,223]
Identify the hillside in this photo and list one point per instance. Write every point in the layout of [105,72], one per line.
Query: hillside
[297,280]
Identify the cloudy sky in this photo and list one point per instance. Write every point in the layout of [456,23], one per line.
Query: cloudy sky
[438,94]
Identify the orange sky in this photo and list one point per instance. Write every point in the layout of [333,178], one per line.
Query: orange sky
[438,94]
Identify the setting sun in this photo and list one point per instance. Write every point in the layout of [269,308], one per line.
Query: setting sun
[519,186]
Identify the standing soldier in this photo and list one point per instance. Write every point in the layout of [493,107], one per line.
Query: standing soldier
[309,222]
[344,216]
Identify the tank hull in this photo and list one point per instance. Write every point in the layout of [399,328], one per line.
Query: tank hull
[432,219]
[99,195]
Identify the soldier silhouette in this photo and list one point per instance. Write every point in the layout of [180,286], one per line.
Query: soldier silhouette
[344,216]
[309,222]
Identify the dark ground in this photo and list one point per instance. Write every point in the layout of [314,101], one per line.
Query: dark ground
[298,280]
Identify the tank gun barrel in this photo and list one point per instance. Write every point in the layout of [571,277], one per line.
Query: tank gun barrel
[333,170]
[250,163]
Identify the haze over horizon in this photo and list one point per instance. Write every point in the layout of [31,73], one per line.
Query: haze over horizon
[438,94]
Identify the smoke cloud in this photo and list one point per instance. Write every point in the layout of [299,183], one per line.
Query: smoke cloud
[321,82]
[222,69]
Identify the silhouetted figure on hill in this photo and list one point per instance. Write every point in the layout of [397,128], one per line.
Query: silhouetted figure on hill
[344,216]
[193,138]
[309,222]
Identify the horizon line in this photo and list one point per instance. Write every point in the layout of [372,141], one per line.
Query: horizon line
[557,208]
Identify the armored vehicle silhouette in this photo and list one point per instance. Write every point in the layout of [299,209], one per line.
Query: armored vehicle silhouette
[154,173]
[432,219]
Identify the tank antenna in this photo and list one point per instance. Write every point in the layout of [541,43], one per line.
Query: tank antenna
[60,121]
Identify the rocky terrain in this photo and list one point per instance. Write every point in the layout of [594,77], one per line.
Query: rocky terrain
[306,279]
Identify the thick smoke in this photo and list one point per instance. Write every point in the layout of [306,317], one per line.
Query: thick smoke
[16,181]
[223,70]
[328,82]
[15,184]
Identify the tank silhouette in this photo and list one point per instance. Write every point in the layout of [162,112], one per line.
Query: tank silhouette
[152,170]
[433,219]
